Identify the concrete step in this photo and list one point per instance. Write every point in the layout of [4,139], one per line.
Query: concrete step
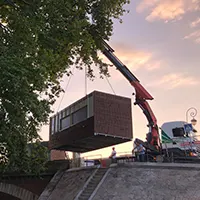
[91,186]
[84,197]
[89,190]
[101,171]
[96,179]
[98,175]
[93,183]
[87,193]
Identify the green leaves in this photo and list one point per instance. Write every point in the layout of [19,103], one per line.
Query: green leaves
[39,42]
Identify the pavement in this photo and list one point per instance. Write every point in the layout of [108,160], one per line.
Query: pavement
[151,181]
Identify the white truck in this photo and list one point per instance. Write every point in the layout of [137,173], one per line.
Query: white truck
[179,140]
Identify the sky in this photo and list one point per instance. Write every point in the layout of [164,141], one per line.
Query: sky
[159,41]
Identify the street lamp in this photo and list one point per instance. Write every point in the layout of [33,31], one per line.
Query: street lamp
[192,112]
[193,122]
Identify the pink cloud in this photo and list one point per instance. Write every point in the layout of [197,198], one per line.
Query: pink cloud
[145,5]
[153,65]
[167,10]
[195,36]
[193,5]
[195,23]
[175,80]
[136,59]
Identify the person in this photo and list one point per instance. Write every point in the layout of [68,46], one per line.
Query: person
[140,151]
[134,147]
[113,155]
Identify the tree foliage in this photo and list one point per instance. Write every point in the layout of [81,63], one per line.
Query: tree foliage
[39,41]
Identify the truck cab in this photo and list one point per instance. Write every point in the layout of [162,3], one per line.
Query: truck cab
[178,139]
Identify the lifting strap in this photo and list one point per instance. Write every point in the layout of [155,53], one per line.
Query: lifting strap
[70,76]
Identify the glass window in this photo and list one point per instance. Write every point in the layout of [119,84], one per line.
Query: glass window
[52,126]
[178,132]
[79,115]
[56,124]
[65,123]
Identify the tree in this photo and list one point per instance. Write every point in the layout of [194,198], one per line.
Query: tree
[39,41]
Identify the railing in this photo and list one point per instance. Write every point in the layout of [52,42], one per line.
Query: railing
[121,156]
[125,153]
[97,156]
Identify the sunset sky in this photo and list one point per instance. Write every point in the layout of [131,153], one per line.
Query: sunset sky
[159,41]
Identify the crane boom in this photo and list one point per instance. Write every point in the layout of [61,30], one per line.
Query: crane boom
[142,95]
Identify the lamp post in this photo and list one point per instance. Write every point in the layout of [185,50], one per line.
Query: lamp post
[192,112]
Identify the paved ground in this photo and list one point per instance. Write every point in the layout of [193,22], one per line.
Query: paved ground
[151,181]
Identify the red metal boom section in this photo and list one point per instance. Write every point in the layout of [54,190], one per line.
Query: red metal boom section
[141,92]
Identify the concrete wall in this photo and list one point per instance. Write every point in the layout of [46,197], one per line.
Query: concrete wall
[151,182]
[4,196]
[17,192]
[32,183]
[25,184]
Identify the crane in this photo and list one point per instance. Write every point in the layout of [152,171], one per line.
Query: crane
[141,97]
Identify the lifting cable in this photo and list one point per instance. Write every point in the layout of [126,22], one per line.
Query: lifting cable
[85,86]
[110,85]
[86,82]
[65,89]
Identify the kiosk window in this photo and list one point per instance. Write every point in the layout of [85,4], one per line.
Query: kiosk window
[79,115]
[65,123]
[52,126]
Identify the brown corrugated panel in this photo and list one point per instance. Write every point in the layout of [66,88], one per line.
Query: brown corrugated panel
[112,115]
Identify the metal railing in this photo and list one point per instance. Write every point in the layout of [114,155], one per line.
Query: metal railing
[97,156]
[125,153]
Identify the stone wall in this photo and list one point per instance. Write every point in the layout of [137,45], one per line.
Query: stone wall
[151,182]
[17,192]
[25,183]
